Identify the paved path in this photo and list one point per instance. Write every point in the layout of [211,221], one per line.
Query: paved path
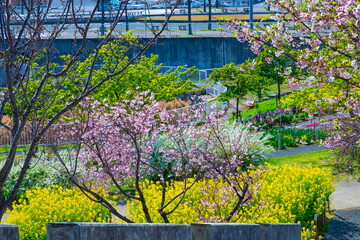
[345,225]
[294,151]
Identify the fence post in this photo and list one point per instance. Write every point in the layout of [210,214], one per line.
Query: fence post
[279,141]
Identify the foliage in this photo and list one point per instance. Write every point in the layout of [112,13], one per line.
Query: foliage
[55,204]
[268,68]
[326,53]
[344,139]
[314,99]
[40,86]
[146,75]
[233,136]
[141,75]
[283,194]
[292,137]
[236,80]
[253,76]
[40,175]
[127,143]
[277,118]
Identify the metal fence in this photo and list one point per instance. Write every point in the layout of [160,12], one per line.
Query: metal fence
[143,30]
[55,134]
[52,136]
[199,78]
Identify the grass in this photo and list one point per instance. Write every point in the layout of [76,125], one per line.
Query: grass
[313,158]
[274,87]
[264,106]
[21,150]
[7,149]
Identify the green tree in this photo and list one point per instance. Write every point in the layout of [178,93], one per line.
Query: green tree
[237,82]
[269,67]
[146,75]
[322,39]
[37,92]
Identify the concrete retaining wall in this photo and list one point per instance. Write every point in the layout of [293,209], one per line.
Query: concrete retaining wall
[280,231]
[112,231]
[9,232]
[202,52]
[195,231]
[225,231]
[145,231]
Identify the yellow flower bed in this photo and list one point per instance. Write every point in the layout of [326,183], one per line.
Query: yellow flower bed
[283,194]
[56,204]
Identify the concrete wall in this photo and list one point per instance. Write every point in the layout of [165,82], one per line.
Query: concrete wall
[138,231]
[225,231]
[9,232]
[145,231]
[280,231]
[204,53]
[111,231]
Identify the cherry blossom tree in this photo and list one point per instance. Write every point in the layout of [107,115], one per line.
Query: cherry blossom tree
[322,38]
[124,145]
[36,78]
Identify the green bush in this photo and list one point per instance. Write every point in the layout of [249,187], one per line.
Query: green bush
[40,175]
[41,206]
[292,137]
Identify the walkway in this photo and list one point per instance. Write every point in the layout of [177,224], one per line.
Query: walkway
[294,151]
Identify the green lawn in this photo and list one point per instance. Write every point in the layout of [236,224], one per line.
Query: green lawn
[22,150]
[315,159]
[264,106]
[7,149]
[274,87]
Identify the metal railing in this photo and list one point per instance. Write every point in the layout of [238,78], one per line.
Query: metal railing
[52,136]
[200,77]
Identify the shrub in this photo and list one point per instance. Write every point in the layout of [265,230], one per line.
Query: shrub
[53,204]
[284,194]
[40,175]
[292,137]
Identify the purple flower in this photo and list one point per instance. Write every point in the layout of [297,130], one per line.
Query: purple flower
[280,111]
[310,124]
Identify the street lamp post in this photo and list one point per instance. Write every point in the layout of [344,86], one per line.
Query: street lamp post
[209,24]
[126,18]
[251,13]
[189,16]
[102,28]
